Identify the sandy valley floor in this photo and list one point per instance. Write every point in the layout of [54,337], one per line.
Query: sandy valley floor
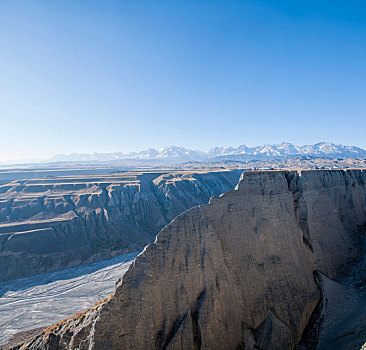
[45,299]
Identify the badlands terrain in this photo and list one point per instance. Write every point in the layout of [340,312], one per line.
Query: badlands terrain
[276,263]
[298,162]
[58,222]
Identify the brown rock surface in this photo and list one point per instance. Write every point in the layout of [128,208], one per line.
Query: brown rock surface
[234,274]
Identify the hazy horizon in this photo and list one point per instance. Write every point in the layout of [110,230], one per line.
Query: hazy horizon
[121,76]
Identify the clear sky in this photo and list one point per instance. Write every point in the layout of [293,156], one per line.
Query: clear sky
[86,76]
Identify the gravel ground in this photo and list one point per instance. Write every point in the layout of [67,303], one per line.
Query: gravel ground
[38,301]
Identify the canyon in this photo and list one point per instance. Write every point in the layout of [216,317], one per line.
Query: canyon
[242,272]
[62,221]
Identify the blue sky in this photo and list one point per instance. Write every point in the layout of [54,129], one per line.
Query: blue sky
[86,76]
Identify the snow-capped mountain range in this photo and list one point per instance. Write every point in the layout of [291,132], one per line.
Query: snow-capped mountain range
[175,154]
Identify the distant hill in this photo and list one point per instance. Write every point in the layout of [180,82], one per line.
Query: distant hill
[175,154]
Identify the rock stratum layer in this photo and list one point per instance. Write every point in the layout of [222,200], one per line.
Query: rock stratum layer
[58,222]
[234,274]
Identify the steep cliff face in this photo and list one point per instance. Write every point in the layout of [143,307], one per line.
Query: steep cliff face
[234,274]
[53,223]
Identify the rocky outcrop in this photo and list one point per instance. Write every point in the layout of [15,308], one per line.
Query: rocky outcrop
[234,274]
[53,223]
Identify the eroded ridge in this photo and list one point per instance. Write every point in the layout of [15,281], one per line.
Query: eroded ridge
[54,223]
[233,274]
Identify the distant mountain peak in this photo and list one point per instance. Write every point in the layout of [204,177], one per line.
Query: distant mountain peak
[177,154]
